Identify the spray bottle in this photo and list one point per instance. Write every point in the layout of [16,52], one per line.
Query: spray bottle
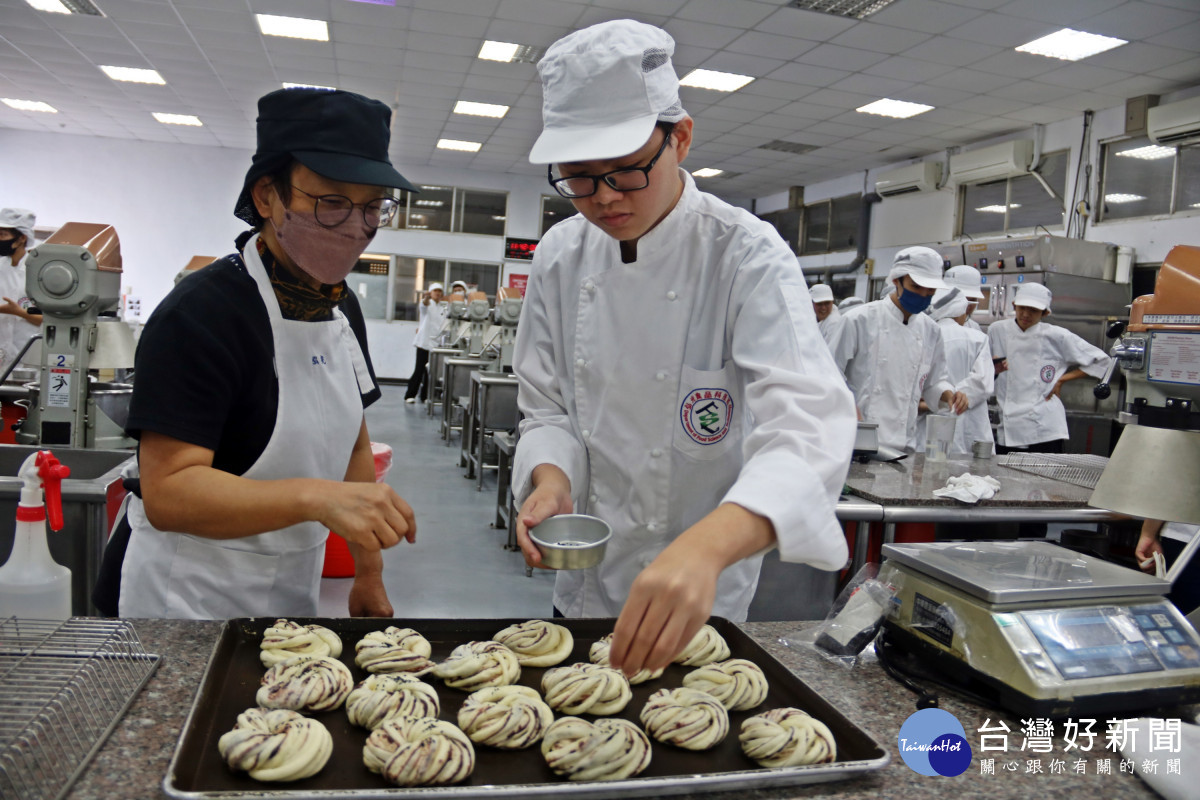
[32,584]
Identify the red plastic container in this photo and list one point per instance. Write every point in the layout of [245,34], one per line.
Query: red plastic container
[338,561]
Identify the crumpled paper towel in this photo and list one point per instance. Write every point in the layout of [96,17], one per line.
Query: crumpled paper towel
[969,488]
[1165,784]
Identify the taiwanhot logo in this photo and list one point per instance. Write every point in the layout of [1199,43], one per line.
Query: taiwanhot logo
[933,742]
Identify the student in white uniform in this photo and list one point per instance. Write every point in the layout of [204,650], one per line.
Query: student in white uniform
[17,325]
[672,378]
[252,377]
[827,313]
[969,367]
[968,280]
[1033,360]
[432,314]
[891,353]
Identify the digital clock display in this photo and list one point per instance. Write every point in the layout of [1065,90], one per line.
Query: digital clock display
[519,249]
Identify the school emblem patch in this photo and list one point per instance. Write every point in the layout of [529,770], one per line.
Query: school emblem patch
[706,415]
[1048,374]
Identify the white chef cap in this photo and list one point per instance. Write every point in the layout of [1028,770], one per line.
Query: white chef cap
[922,264]
[1034,295]
[821,293]
[20,219]
[948,303]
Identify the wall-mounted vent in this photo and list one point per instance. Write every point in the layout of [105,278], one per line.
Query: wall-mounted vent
[854,9]
[528,54]
[795,148]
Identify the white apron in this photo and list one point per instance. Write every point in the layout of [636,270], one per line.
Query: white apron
[14,331]
[321,373]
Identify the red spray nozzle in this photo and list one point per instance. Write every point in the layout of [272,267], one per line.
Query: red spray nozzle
[52,471]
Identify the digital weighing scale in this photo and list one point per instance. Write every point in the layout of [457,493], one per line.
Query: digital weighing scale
[1037,629]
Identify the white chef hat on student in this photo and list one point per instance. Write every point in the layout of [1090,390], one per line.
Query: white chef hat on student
[948,303]
[966,278]
[821,293]
[922,264]
[603,89]
[21,220]
[437,286]
[1034,295]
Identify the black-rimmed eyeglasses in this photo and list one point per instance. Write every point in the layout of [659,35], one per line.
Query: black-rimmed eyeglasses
[626,179]
[332,210]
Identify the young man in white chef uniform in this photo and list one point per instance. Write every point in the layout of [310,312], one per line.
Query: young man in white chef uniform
[827,313]
[1033,360]
[432,312]
[672,378]
[969,367]
[967,280]
[891,353]
[17,325]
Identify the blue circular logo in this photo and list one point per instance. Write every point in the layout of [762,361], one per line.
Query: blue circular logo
[932,742]
[706,415]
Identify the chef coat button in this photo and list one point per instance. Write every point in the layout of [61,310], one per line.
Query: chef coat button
[650,526]
[671,295]
[660,376]
[587,434]
[593,498]
[656,452]
[579,362]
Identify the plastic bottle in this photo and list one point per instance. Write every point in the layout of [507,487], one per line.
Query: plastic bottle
[32,584]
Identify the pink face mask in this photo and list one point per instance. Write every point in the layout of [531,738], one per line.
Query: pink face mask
[327,254]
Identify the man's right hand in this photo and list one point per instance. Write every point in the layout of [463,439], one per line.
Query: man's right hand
[370,515]
[551,496]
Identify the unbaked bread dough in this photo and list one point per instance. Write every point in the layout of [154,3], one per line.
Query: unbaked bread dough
[739,684]
[599,651]
[394,650]
[586,689]
[787,737]
[537,643]
[419,751]
[608,749]
[276,745]
[381,697]
[705,647]
[687,718]
[285,639]
[475,665]
[305,683]
[507,717]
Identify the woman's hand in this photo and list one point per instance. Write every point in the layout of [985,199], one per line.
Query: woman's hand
[370,515]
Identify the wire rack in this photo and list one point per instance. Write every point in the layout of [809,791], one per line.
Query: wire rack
[63,688]
[1080,470]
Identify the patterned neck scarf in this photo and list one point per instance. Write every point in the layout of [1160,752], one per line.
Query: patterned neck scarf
[298,300]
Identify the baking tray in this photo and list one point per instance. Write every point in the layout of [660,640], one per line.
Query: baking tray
[234,671]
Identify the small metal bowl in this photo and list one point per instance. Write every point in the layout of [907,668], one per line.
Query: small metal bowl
[571,541]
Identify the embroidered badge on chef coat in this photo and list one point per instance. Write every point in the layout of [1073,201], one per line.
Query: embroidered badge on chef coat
[1048,373]
[706,415]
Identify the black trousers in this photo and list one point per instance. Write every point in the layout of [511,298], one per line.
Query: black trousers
[1054,446]
[417,382]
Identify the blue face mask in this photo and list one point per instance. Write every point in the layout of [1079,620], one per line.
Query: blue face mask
[912,302]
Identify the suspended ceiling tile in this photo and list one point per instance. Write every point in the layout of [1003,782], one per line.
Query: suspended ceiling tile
[985,104]
[769,45]
[548,12]
[730,13]
[1001,30]
[700,34]
[907,69]
[1012,64]
[742,64]
[873,85]
[839,57]
[687,57]
[1067,14]
[1042,115]
[1139,20]
[482,7]
[1183,37]
[1185,70]
[926,16]
[594,15]
[440,22]
[970,80]
[880,38]
[810,25]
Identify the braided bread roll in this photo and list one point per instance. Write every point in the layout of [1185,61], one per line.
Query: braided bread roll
[394,650]
[381,697]
[305,683]
[686,718]
[285,639]
[787,737]
[419,751]
[508,717]
[705,647]
[586,689]
[476,665]
[739,684]
[537,643]
[608,749]
[599,651]
[276,745]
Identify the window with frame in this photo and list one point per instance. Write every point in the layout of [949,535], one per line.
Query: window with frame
[787,223]
[1143,179]
[554,210]
[453,210]
[1016,203]
[831,225]
[413,274]
[368,279]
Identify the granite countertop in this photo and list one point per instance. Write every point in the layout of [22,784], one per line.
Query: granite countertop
[911,482]
[133,762]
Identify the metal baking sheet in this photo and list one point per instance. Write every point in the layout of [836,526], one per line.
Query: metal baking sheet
[234,671]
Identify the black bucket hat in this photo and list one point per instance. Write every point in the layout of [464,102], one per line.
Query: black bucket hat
[339,135]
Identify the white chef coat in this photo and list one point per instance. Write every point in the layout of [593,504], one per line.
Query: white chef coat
[433,317]
[1037,358]
[14,331]
[890,366]
[181,576]
[827,325]
[691,377]
[969,367]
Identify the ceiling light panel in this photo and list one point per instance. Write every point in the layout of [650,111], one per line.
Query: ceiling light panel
[178,119]
[997,209]
[66,7]
[509,52]
[716,81]
[898,109]
[287,85]
[1123,198]
[854,9]
[480,109]
[1151,152]
[28,105]
[316,30]
[458,144]
[134,75]
[708,172]
[1070,45]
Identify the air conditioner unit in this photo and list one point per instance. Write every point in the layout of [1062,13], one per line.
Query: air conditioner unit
[1174,123]
[920,177]
[992,163]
